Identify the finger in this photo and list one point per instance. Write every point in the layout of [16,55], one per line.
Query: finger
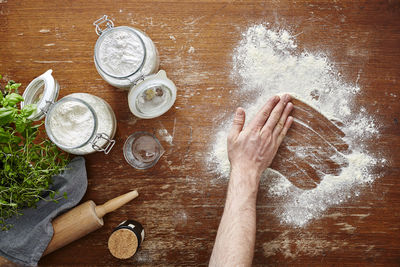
[262,116]
[282,120]
[238,123]
[285,128]
[276,114]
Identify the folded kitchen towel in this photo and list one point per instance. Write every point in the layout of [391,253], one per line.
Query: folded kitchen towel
[26,241]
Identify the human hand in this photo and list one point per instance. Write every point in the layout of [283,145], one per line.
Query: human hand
[253,148]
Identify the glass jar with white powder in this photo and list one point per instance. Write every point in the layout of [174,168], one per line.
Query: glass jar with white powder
[78,123]
[123,54]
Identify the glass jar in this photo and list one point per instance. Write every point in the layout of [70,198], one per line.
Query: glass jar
[142,150]
[78,123]
[123,54]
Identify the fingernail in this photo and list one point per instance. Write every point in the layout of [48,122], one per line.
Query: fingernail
[239,111]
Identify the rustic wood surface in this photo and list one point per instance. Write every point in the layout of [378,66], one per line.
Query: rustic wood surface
[180,201]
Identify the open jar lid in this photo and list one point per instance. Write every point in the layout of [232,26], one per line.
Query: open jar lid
[153,96]
[42,92]
[119,52]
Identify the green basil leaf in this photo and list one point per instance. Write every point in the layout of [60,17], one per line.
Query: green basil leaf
[20,126]
[6,115]
[13,98]
[15,86]
[28,110]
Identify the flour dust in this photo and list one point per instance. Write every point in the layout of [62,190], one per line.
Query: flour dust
[267,62]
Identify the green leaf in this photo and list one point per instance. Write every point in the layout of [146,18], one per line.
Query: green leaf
[13,98]
[5,137]
[28,110]
[28,160]
[15,86]
[20,126]
[7,115]
[11,85]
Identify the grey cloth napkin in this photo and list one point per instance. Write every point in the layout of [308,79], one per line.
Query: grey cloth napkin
[25,243]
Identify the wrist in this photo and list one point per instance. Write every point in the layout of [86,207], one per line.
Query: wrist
[250,173]
[244,182]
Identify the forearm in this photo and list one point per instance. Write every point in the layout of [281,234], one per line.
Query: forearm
[251,150]
[234,245]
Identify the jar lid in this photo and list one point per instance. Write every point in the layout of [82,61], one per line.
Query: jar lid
[125,239]
[119,52]
[153,96]
[71,123]
[42,91]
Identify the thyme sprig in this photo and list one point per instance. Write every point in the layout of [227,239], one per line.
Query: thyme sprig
[27,161]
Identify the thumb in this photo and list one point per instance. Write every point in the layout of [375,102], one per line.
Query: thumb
[238,122]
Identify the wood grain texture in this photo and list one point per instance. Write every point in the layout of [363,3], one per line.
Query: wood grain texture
[180,201]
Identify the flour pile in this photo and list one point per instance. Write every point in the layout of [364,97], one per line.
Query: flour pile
[267,62]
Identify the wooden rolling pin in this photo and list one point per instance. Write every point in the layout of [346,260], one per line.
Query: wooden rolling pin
[83,220]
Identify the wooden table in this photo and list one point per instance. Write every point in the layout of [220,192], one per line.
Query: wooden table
[180,202]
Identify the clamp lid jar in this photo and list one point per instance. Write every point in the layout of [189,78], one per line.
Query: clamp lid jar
[78,123]
[123,54]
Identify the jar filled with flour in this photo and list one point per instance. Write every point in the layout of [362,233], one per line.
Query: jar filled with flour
[78,123]
[123,54]
[127,58]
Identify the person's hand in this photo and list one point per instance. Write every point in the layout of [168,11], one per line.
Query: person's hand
[252,149]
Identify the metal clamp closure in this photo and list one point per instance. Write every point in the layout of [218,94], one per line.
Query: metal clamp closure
[100,21]
[106,147]
[137,80]
[46,108]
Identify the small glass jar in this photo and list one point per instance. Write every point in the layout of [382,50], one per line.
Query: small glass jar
[78,123]
[123,54]
[142,150]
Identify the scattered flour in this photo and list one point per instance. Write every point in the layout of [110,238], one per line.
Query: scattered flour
[267,62]
[163,133]
[191,50]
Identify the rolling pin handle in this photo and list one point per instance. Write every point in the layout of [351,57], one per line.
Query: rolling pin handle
[115,203]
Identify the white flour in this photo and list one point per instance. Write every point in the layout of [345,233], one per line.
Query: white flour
[71,123]
[267,62]
[106,121]
[164,135]
[121,53]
